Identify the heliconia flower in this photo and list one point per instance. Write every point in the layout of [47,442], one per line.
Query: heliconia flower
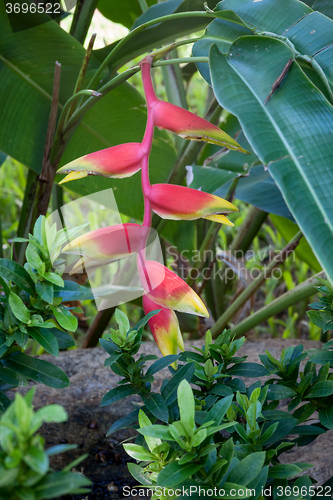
[165,328]
[108,244]
[119,161]
[190,126]
[167,289]
[170,201]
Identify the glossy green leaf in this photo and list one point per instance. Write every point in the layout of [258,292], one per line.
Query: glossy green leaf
[65,318]
[117,393]
[137,472]
[324,6]
[321,389]
[45,291]
[156,405]
[37,460]
[20,311]
[296,147]
[326,417]
[247,469]
[248,370]
[277,391]
[64,339]
[124,13]
[137,452]
[37,370]
[283,471]
[72,291]
[46,339]
[162,363]
[169,392]
[174,474]
[12,271]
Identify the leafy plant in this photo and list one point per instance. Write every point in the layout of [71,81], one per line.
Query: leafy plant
[322,315]
[216,427]
[25,471]
[32,307]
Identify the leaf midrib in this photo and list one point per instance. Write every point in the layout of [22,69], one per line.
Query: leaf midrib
[285,143]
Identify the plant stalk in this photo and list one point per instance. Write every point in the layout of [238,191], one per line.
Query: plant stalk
[255,285]
[300,292]
[83,14]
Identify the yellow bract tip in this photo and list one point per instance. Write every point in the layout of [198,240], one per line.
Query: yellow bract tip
[74,175]
[222,219]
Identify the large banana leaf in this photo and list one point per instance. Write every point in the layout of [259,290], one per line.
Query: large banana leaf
[291,133]
[124,12]
[27,62]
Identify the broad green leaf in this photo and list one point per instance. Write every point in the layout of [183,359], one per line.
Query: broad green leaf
[46,339]
[186,406]
[144,421]
[36,369]
[218,410]
[117,393]
[45,291]
[65,318]
[162,363]
[122,423]
[220,390]
[37,460]
[248,370]
[320,356]
[64,339]
[247,469]
[34,258]
[174,474]
[293,129]
[20,311]
[12,271]
[277,391]
[283,471]
[137,472]
[124,13]
[123,321]
[72,291]
[321,389]
[61,483]
[286,425]
[54,278]
[156,431]
[155,403]
[324,6]
[169,392]
[326,417]
[303,250]
[137,452]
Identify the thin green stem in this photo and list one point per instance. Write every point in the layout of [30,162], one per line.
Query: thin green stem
[181,60]
[142,27]
[143,6]
[300,292]
[254,286]
[83,14]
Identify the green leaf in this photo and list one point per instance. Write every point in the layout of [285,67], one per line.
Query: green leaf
[218,410]
[34,258]
[65,318]
[46,339]
[169,392]
[37,370]
[277,391]
[117,393]
[326,417]
[298,165]
[37,460]
[247,370]
[138,452]
[247,469]
[72,291]
[61,483]
[20,311]
[283,471]
[174,474]
[155,403]
[220,390]
[124,13]
[54,278]
[12,271]
[45,291]
[122,320]
[321,389]
[286,425]
[186,406]
[64,339]
[138,473]
[156,431]
[162,363]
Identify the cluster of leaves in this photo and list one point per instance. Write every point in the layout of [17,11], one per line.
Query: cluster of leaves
[322,315]
[221,433]
[32,307]
[25,472]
